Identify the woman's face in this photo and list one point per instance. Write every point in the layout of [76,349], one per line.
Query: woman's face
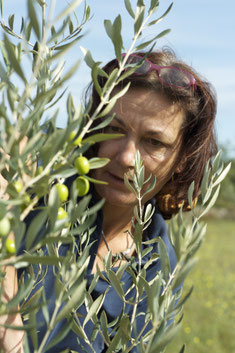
[150,124]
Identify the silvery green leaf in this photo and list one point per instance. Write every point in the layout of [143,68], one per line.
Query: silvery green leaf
[53,205]
[121,270]
[82,206]
[101,137]
[129,8]
[115,283]
[222,175]
[216,161]
[128,185]
[11,21]
[35,226]
[96,181]
[23,290]
[135,182]
[33,18]
[115,342]
[109,28]
[138,237]
[94,309]
[208,193]
[140,177]
[180,219]
[204,183]
[70,8]
[94,209]
[108,107]
[78,230]
[211,202]
[190,194]
[104,326]
[145,44]
[44,307]
[64,172]
[61,334]
[55,34]
[41,2]
[117,37]
[43,260]
[88,57]
[184,299]
[108,261]
[33,333]
[93,282]
[148,179]
[98,162]
[32,301]
[121,92]
[71,28]
[161,18]
[165,262]
[182,349]
[151,187]
[19,232]
[125,326]
[181,275]
[151,241]
[13,59]
[153,6]
[111,79]
[153,294]
[95,74]
[78,330]
[136,213]
[139,17]
[103,124]
[146,251]
[74,302]
[161,341]
[148,212]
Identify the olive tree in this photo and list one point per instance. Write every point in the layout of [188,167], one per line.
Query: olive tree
[36,158]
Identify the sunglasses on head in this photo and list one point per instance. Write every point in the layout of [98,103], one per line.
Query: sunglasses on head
[168,75]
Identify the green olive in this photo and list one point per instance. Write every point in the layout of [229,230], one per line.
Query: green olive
[82,165]
[63,192]
[10,246]
[18,186]
[72,136]
[5,227]
[82,185]
[61,213]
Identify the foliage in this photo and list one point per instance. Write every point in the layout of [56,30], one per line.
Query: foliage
[226,197]
[37,155]
[209,324]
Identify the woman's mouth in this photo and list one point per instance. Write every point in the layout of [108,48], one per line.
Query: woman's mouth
[117,180]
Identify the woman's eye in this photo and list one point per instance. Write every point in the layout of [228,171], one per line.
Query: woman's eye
[113,129]
[154,142]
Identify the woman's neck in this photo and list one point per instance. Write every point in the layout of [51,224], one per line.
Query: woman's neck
[117,220]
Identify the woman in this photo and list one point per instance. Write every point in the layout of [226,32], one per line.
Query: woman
[168,115]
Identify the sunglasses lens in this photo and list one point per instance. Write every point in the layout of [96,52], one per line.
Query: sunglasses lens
[143,69]
[175,77]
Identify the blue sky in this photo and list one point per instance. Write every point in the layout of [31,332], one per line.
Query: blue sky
[203,33]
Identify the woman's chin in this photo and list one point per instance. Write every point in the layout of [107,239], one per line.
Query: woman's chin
[115,197]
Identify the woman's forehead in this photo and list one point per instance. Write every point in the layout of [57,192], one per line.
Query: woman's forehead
[149,106]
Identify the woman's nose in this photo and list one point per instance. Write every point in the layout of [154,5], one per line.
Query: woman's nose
[127,153]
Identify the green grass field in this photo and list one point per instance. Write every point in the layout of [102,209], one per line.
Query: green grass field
[209,314]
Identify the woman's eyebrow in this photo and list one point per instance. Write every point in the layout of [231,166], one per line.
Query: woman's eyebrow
[119,120]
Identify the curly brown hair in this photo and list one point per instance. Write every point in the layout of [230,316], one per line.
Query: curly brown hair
[199,142]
